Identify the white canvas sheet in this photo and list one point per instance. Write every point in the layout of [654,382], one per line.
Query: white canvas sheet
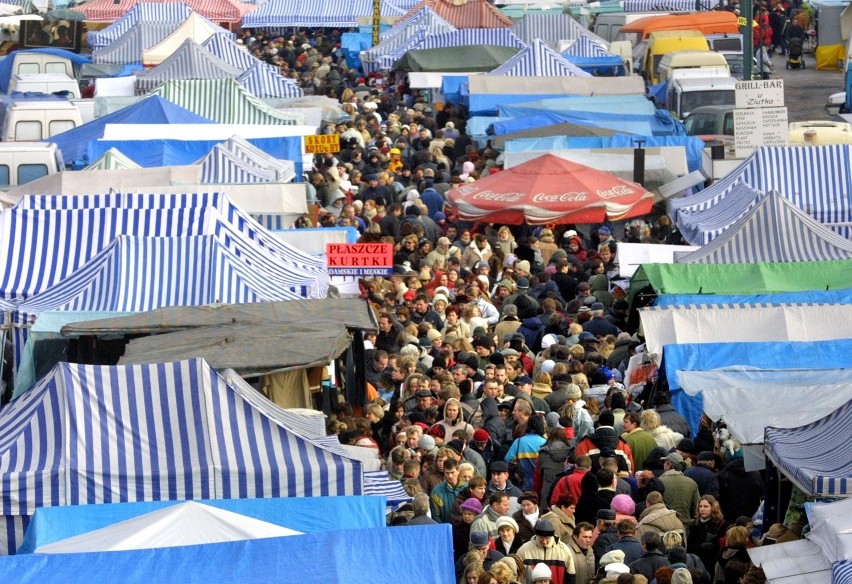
[739,397]
[795,562]
[256,199]
[183,524]
[831,529]
[633,255]
[430,80]
[202,131]
[101,181]
[195,27]
[672,158]
[750,323]
[115,86]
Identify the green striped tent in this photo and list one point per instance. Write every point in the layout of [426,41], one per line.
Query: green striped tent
[224,101]
[112,159]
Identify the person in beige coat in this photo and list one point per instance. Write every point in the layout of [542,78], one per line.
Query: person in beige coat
[657,518]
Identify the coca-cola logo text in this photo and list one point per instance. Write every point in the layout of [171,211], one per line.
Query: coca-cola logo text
[616,191]
[559,197]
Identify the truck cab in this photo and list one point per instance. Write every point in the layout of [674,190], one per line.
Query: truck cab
[685,95]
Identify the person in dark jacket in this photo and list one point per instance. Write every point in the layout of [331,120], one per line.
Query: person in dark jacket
[703,474]
[590,501]
[653,557]
[607,533]
[420,504]
[627,541]
[740,491]
[551,462]
[706,531]
[668,416]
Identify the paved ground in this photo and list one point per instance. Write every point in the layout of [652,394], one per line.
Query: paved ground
[806,90]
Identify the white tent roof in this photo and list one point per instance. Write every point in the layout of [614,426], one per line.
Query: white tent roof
[739,397]
[188,523]
[831,529]
[195,27]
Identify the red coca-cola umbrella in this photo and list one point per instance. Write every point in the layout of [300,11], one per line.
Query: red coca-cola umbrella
[549,190]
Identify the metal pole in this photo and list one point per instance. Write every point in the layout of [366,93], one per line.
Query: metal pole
[639,162]
[746,21]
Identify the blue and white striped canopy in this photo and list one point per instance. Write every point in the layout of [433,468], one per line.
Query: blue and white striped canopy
[667,5]
[423,22]
[231,215]
[189,61]
[538,60]
[814,178]
[463,37]
[226,49]
[841,572]
[377,482]
[285,170]
[816,457]
[43,247]
[128,48]
[316,13]
[587,48]
[774,230]
[169,14]
[118,279]
[264,81]
[221,166]
[90,434]
[552,28]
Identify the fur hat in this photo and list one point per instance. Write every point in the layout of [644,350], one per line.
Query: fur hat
[617,568]
[623,504]
[574,392]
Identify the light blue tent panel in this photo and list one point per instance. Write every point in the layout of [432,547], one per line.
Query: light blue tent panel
[613,104]
[150,153]
[836,354]
[364,555]
[309,515]
[803,297]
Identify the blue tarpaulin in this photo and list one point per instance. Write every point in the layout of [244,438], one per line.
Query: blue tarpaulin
[152,110]
[150,153]
[610,104]
[835,354]
[454,88]
[308,514]
[352,43]
[658,124]
[422,553]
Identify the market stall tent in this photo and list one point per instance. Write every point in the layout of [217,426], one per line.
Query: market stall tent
[94,434]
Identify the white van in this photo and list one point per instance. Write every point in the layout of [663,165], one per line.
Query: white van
[684,95]
[21,163]
[696,62]
[28,62]
[33,120]
[44,83]
[608,24]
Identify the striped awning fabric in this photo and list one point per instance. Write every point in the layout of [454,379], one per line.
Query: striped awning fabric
[265,81]
[471,14]
[89,434]
[215,10]
[190,61]
[226,49]
[539,60]
[317,13]
[221,166]
[815,457]
[224,101]
[169,15]
[816,179]
[667,5]
[774,230]
[551,28]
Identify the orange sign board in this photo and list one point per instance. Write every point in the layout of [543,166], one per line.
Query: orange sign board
[322,143]
[359,259]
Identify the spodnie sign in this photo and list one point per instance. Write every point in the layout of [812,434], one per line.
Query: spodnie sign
[359,259]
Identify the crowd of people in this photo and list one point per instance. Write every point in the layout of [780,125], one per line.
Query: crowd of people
[496,387]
